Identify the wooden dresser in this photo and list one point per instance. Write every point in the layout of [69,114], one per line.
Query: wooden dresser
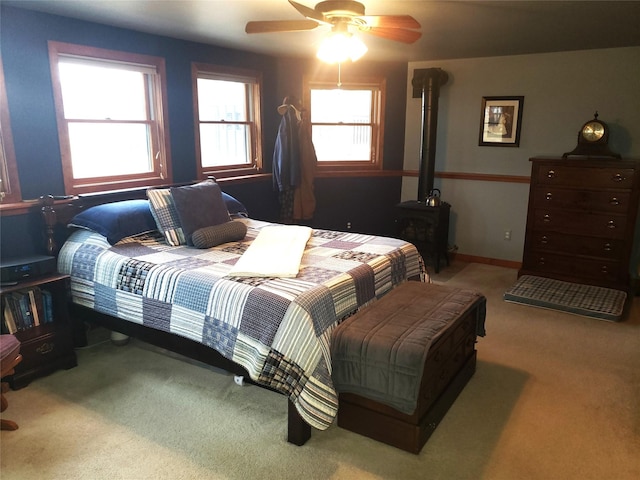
[581,220]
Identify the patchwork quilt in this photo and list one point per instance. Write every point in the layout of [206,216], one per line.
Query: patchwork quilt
[278,329]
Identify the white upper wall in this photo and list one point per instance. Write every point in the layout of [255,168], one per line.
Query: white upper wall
[561,91]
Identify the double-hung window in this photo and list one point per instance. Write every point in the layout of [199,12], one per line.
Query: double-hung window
[227,119]
[346,123]
[112,118]
[9,184]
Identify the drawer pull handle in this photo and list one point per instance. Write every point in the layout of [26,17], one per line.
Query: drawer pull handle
[614,201]
[546,218]
[544,240]
[611,225]
[618,177]
[607,247]
[45,348]
[548,196]
[551,174]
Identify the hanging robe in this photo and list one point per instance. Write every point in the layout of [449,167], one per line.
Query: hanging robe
[294,161]
[304,201]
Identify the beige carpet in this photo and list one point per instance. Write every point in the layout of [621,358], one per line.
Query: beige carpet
[555,396]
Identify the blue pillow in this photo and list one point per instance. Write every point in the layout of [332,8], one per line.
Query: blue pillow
[117,220]
[234,206]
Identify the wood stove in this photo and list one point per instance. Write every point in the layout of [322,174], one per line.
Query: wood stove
[427,227]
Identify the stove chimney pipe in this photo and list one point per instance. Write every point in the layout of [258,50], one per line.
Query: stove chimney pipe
[426,83]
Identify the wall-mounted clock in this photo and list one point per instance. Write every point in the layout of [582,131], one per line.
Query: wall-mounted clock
[593,139]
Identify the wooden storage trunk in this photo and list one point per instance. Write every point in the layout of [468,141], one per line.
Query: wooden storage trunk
[450,363]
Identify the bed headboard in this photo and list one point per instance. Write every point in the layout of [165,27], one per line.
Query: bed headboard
[57,213]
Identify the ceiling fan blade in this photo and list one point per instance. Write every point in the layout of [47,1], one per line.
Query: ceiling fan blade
[396,34]
[270,26]
[391,21]
[308,12]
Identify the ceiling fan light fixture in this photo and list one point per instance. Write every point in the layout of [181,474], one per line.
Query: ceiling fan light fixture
[338,47]
[341,15]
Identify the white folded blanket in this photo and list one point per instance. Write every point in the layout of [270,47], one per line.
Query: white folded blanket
[276,252]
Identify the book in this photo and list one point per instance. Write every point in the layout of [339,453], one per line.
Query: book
[25,309]
[9,321]
[35,305]
[47,301]
[13,303]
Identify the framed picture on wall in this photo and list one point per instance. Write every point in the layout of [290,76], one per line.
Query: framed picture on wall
[500,121]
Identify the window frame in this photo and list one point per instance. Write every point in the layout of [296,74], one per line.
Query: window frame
[9,193]
[156,103]
[378,86]
[253,115]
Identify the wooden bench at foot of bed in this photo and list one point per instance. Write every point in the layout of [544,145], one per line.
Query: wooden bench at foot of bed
[442,321]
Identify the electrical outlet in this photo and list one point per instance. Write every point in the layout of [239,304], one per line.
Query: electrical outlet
[507,234]
[348,225]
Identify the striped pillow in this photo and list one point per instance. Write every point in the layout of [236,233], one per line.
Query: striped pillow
[165,214]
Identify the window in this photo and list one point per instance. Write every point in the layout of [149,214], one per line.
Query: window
[9,185]
[227,118]
[112,120]
[346,123]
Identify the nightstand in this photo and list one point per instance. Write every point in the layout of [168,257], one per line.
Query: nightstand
[46,343]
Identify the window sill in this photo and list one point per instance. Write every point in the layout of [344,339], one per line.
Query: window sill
[18,208]
[327,173]
[254,177]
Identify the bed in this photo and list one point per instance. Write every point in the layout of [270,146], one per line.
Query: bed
[274,330]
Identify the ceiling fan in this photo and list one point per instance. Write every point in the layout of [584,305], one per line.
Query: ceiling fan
[340,15]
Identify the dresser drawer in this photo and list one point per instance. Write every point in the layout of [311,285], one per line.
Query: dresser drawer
[594,224]
[585,177]
[582,200]
[605,248]
[549,263]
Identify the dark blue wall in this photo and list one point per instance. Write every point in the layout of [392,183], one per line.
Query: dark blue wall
[23,41]
[24,36]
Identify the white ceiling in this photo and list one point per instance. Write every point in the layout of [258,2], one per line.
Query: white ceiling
[450,29]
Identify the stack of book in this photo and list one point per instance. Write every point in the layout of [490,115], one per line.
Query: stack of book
[25,309]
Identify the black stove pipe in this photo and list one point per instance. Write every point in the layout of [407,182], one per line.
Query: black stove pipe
[428,81]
